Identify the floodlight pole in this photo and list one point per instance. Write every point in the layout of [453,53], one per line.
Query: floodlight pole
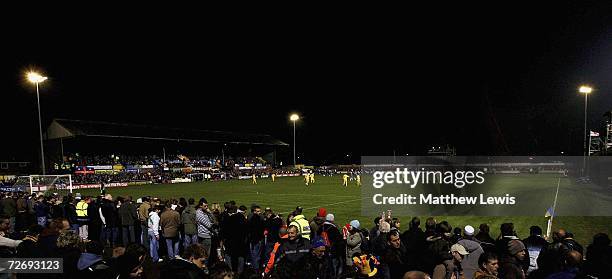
[294,164]
[42,151]
[584,152]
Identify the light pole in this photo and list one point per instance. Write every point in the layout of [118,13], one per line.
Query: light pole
[36,78]
[586,90]
[294,117]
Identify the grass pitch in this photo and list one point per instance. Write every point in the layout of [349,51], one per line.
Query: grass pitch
[344,202]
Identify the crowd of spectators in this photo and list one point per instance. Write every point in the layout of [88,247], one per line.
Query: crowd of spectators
[119,237]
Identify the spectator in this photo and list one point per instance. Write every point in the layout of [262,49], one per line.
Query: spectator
[438,257]
[129,266]
[599,257]
[534,244]
[353,243]
[9,207]
[295,247]
[91,263]
[571,266]
[41,210]
[459,253]
[488,265]
[414,240]
[511,261]
[316,222]
[318,263]
[470,262]
[109,215]
[128,215]
[486,241]
[416,275]
[5,228]
[301,223]
[83,216]
[396,257]
[234,239]
[205,225]
[69,248]
[190,227]
[143,216]
[169,222]
[255,225]
[70,213]
[153,232]
[551,258]
[30,247]
[334,241]
[190,264]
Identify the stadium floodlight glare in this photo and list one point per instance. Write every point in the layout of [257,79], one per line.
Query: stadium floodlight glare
[37,78]
[294,117]
[585,89]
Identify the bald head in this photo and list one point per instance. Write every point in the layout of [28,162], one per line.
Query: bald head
[558,235]
[573,259]
[416,275]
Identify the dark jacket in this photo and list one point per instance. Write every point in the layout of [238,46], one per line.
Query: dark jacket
[292,251]
[92,266]
[599,261]
[255,225]
[41,209]
[321,268]
[127,213]
[272,226]
[70,213]
[235,235]
[181,269]
[109,211]
[397,260]
[9,206]
[510,268]
[338,245]
[438,251]
[57,211]
[414,240]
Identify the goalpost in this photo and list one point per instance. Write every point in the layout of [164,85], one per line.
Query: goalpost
[61,183]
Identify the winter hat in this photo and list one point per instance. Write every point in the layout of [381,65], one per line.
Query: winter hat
[329,217]
[515,246]
[318,243]
[355,224]
[385,227]
[468,230]
[322,212]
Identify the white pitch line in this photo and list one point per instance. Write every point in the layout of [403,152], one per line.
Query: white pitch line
[269,194]
[325,205]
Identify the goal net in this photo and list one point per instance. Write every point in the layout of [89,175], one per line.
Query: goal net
[47,184]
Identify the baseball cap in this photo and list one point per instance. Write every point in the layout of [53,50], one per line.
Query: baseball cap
[459,249]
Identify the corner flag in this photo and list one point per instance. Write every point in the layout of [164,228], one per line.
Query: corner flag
[549,212]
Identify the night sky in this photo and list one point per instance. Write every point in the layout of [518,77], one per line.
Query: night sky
[487,83]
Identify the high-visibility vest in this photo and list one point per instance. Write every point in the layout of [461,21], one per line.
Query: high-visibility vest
[81,209]
[303,226]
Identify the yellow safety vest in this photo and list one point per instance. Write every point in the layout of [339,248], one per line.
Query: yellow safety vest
[81,209]
[303,225]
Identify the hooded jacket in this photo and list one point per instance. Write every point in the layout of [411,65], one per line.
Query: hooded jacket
[470,261]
